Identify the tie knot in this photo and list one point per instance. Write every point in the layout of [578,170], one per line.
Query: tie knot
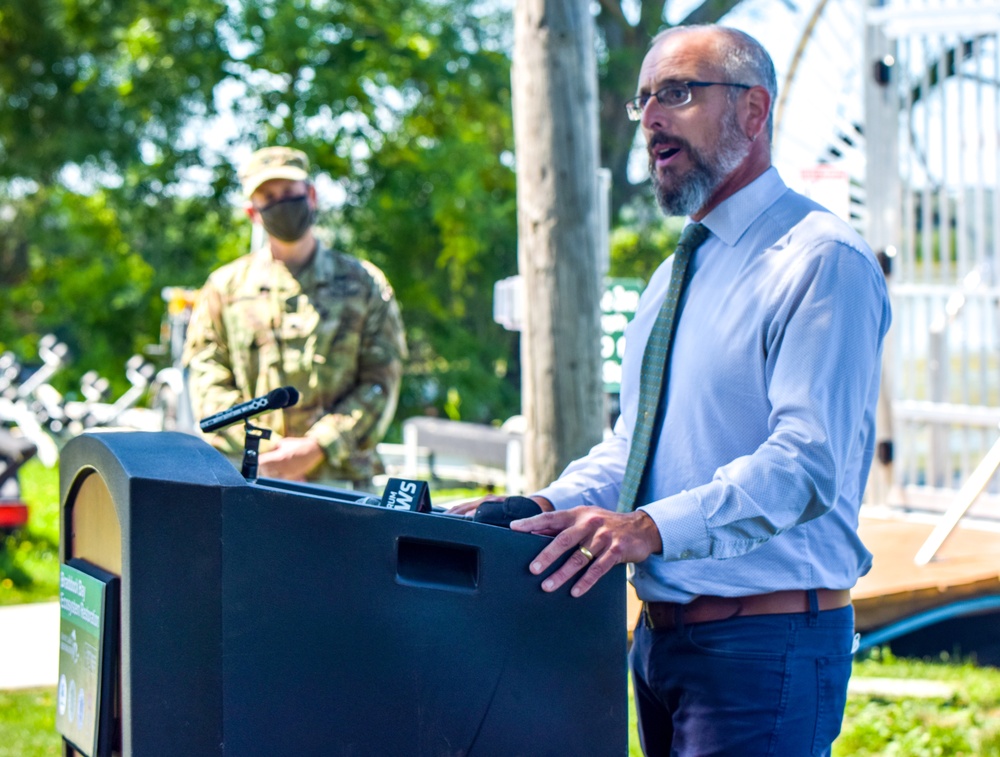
[692,237]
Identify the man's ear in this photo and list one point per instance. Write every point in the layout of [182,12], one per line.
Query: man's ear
[757,108]
[311,194]
[252,213]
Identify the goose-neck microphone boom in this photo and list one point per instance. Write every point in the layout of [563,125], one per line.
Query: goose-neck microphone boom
[285,396]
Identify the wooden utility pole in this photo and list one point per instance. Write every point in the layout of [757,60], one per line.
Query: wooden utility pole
[556,141]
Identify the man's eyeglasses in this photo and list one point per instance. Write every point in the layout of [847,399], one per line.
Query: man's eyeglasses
[672,95]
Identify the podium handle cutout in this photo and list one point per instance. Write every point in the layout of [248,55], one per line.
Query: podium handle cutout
[436,565]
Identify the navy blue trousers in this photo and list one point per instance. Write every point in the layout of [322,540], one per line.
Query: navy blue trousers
[744,687]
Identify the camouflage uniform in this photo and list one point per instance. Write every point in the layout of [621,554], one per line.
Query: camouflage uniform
[333,331]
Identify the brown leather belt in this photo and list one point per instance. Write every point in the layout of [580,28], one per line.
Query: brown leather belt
[665,615]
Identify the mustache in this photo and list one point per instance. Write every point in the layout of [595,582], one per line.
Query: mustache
[661,138]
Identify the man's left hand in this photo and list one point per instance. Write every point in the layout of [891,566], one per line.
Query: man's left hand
[611,538]
[292,458]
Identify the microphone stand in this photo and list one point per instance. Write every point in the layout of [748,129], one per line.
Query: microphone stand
[250,452]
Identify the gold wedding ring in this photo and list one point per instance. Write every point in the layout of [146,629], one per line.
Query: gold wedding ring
[586,553]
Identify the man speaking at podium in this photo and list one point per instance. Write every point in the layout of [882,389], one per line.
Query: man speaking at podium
[733,481]
[297,313]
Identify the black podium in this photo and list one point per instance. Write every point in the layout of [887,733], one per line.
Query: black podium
[270,618]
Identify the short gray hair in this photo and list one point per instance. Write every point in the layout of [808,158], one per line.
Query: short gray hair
[743,60]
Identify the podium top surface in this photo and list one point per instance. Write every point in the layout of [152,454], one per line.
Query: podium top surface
[152,455]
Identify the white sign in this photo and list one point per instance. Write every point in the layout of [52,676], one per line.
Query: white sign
[830,187]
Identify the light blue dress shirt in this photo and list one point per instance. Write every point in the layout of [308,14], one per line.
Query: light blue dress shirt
[756,481]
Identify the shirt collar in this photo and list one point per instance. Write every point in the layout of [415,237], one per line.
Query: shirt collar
[732,217]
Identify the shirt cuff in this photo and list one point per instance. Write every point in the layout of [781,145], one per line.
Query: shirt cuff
[563,496]
[682,527]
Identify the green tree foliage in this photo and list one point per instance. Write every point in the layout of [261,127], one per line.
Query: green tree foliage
[94,97]
[88,82]
[637,247]
[437,212]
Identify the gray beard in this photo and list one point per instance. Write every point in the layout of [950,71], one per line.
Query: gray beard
[695,189]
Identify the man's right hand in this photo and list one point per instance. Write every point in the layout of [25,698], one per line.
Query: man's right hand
[470,507]
[598,539]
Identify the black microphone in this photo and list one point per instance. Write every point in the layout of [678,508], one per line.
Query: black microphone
[406,494]
[285,396]
[503,512]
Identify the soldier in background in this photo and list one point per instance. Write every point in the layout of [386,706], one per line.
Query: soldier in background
[297,313]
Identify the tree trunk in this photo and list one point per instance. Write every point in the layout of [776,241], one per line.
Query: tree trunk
[556,141]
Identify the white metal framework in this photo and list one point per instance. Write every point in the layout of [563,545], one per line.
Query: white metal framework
[932,95]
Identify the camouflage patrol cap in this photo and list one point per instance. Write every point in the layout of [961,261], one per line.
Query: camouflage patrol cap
[273,163]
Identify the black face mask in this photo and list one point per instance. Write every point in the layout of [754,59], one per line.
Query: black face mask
[288,219]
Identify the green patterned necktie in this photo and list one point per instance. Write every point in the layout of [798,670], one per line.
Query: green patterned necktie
[655,363]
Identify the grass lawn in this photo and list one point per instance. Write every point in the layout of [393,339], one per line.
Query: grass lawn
[963,721]
[28,725]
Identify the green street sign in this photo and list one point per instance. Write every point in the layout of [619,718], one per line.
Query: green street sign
[618,305]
